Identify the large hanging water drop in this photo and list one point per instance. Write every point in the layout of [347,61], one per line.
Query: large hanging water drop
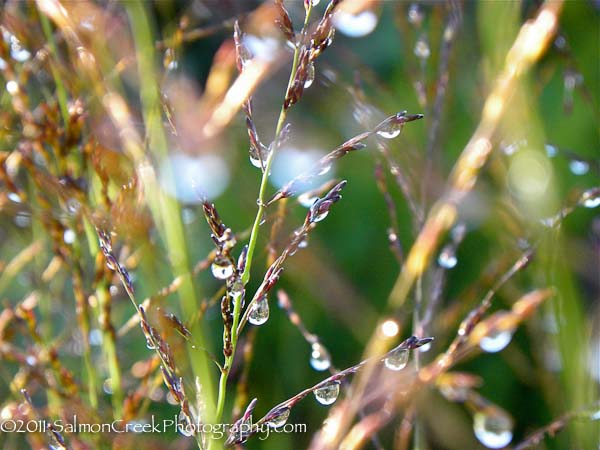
[496,341]
[397,359]
[319,357]
[327,394]
[221,268]
[493,430]
[279,419]
[259,313]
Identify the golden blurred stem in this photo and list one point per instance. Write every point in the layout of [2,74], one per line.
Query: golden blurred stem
[237,307]
[165,209]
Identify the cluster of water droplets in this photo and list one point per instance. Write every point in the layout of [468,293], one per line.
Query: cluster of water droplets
[259,312]
[493,428]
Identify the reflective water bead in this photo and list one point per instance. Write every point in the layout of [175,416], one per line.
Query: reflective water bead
[327,394]
[447,257]
[184,425]
[492,430]
[390,131]
[397,359]
[496,341]
[279,419]
[221,268]
[590,198]
[319,357]
[259,313]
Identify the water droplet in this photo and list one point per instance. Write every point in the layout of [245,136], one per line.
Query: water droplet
[12,87]
[303,243]
[425,348]
[422,50]
[259,313]
[149,344]
[69,236]
[390,131]
[493,430]
[31,360]
[415,14]
[95,337]
[397,359]
[169,61]
[279,419]
[579,167]
[551,150]
[22,219]
[237,288]
[310,76]
[184,425]
[355,25]
[327,394]
[320,217]
[447,258]
[319,357]
[496,341]
[221,268]
[14,197]
[590,198]
[107,386]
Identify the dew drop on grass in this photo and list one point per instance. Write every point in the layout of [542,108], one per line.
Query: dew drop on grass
[422,50]
[279,419]
[492,430]
[107,386]
[496,341]
[355,25]
[319,357]
[415,14]
[590,198]
[184,425]
[259,313]
[221,268]
[397,359]
[390,131]
[579,167]
[447,257]
[320,217]
[310,76]
[327,394]
[149,344]
[551,150]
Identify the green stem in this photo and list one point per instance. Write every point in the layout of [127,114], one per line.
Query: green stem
[237,307]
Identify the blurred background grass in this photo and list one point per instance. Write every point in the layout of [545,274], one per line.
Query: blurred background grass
[340,283]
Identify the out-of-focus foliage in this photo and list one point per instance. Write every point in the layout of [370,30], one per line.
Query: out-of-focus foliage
[126,121]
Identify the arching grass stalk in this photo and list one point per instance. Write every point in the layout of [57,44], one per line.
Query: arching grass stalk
[237,307]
